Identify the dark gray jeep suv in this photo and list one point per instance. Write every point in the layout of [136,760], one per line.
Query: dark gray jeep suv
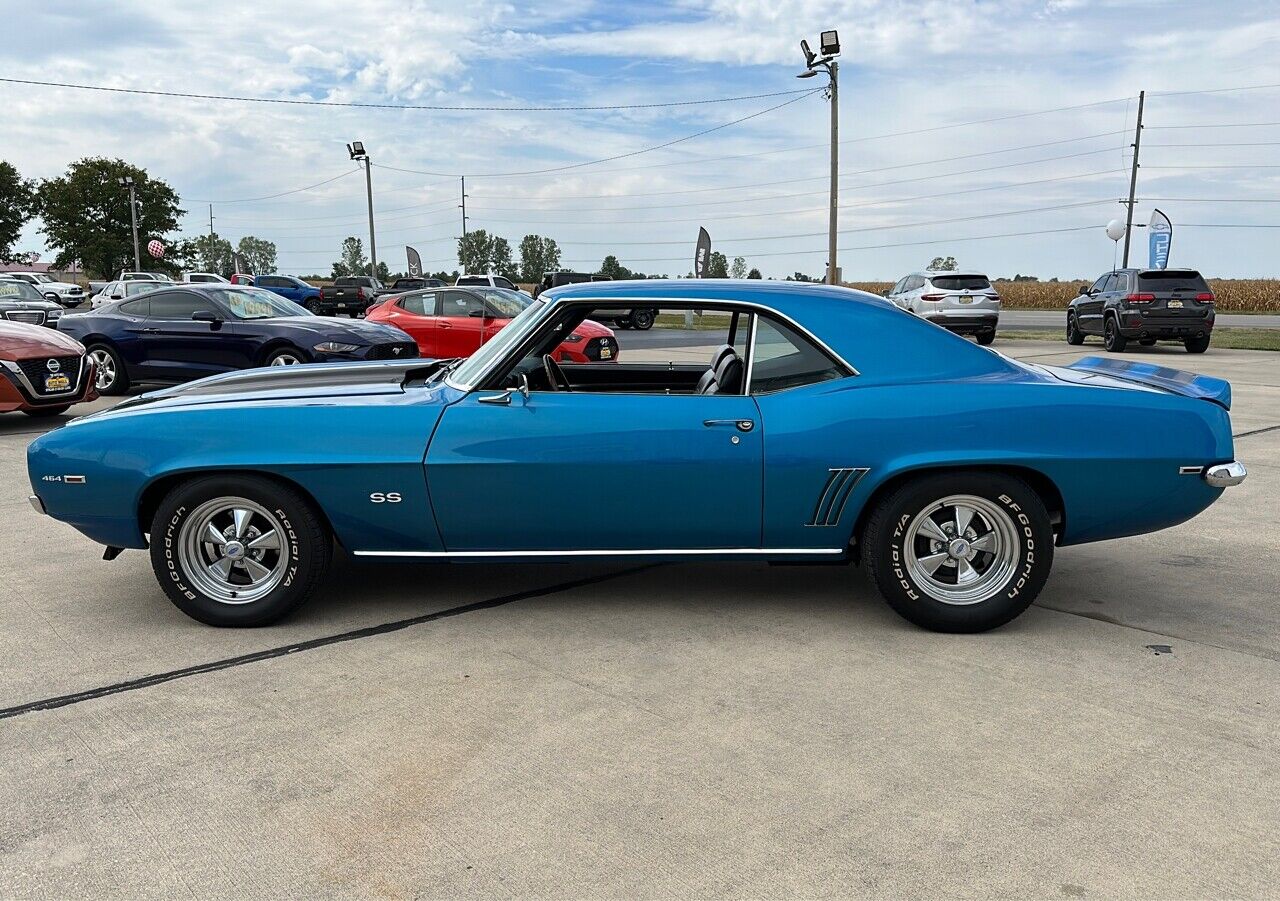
[1144,305]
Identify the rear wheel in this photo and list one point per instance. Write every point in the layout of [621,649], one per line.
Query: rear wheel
[45,412]
[1111,337]
[1196,345]
[1075,337]
[960,553]
[238,551]
[109,373]
[643,319]
[985,338]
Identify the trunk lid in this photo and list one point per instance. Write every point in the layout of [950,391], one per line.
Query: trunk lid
[1175,381]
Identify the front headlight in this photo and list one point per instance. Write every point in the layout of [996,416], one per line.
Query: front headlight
[334,347]
[53,314]
[573,339]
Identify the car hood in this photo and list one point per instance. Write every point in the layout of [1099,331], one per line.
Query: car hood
[310,384]
[357,331]
[19,341]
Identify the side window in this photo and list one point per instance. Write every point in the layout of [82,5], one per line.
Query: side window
[913,282]
[1099,284]
[503,283]
[1122,283]
[784,358]
[414,305]
[177,305]
[137,308]
[460,303]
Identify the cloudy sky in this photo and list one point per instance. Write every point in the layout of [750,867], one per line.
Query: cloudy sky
[992,130]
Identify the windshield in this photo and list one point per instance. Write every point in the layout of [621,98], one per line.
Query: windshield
[507,304]
[1171,280]
[960,282]
[468,374]
[16,290]
[43,279]
[257,303]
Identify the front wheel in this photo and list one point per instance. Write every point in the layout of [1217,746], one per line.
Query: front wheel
[238,551]
[286,356]
[1075,337]
[109,373]
[960,553]
[1111,337]
[642,319]
[1196,345]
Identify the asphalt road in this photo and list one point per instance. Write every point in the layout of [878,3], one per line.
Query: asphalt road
[695,730]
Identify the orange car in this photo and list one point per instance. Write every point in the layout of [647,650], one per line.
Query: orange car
[42,371]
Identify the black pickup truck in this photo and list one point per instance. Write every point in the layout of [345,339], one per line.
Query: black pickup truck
[350,294]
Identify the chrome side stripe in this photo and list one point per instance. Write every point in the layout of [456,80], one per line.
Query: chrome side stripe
[620,552]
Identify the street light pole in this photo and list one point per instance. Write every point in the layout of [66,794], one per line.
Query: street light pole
[829,45]
[127,182]
[357,152]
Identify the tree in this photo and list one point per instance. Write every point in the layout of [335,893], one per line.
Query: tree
[537,255]
[476,251]
[947,264]
[739,269]
[717,266]
[353,261]
[258,253]
[500,260]
[85,214]
[207,253]
[611,268]
[754,273]
[384,273]
[17,206]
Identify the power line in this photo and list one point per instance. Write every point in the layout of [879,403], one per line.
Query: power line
[1210,199]
[273,196]
[1214,125]
[1251,87]
[934,242]
[400,106]
[621,156]
[1224,144]
[947,159]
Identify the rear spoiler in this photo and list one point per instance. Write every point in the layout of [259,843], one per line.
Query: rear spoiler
[1188,384]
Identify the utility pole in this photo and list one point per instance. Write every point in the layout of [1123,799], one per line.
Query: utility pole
[210,220]
[464,206]
[829,45]
[357,152]
[1133,179]
[126,181]
[832,224]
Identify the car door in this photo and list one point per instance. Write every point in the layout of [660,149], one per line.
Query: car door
[1089,309]
[458,332]
[416,315]
[180,348]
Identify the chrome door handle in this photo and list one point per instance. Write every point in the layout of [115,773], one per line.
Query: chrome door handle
[150,331]
[742,425]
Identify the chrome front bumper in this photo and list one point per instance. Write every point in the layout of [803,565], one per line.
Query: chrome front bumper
[1224,475]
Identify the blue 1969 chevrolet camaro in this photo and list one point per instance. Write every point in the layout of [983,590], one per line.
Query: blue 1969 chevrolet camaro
[828,426]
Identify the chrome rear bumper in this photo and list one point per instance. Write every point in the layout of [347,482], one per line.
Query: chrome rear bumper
[37,504]
[1224,475]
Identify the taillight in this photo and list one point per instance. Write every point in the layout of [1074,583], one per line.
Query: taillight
[991,295]
[932,297]
[1205,298]
[1140,298]
[359,293]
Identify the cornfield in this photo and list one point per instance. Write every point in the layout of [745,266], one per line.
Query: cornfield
[1233,295]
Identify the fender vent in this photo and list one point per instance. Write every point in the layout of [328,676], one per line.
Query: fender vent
[834,496]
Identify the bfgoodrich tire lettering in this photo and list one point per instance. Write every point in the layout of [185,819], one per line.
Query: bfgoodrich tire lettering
[298,554]
[895,547]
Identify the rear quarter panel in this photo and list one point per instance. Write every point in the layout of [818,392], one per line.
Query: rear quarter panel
[1113,454]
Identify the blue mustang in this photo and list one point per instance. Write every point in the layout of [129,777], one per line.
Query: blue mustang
[830,426]
[185,332]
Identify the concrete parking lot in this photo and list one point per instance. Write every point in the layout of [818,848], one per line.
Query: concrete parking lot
[695,730]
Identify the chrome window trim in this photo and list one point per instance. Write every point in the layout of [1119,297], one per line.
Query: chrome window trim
[619,552]
[756,308]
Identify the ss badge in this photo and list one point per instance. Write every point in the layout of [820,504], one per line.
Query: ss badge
[385,497]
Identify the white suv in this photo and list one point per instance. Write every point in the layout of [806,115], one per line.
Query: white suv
[63,293]
[962,302]
[485,281]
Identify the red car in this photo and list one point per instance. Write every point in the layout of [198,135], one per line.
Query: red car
[454,322]
[42,371]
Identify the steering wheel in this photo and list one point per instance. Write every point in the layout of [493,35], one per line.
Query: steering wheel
[556,378]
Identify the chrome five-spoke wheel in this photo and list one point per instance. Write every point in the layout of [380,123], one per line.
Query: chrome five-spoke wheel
[286,358]
[104,367]
[962,549]
[233,550]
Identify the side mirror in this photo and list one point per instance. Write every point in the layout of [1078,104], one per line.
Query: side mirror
[524,385]
[208,316]
[478,314]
